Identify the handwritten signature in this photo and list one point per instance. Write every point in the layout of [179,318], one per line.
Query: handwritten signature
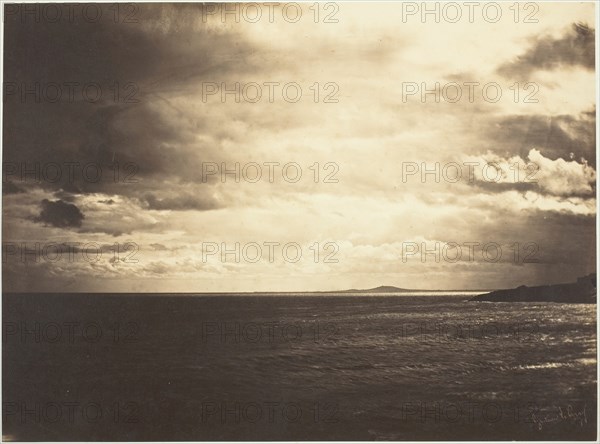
[562,414]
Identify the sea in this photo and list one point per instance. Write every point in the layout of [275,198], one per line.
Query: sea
[296,367]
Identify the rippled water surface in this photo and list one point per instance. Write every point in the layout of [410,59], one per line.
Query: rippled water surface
[281,367]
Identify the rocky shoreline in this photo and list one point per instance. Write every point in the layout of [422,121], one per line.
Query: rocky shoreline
[581,292]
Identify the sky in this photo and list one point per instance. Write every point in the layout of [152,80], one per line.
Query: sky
[122,132]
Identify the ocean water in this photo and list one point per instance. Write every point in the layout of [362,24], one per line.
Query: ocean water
[296,367]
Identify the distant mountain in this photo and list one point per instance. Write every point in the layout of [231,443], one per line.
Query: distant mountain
[380,289]
[581,292]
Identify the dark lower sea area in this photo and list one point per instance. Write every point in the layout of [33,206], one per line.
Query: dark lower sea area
[264,367]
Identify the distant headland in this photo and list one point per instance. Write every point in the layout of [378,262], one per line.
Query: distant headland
[581,292]
[380,289]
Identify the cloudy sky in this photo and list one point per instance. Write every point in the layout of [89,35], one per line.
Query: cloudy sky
[341,97]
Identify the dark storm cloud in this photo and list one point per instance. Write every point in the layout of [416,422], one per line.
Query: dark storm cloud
[162,51]
[65,248]
[522,187]
[499,187]
[565,239]
[60,214]
[554,136]
[11,188]
[575,48]
[544,237]
[168,51]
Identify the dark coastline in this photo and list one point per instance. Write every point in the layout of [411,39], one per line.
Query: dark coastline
[581,292]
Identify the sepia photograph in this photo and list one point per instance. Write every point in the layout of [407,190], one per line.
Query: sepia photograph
[299,221]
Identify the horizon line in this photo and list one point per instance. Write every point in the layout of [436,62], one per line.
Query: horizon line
[351,291]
